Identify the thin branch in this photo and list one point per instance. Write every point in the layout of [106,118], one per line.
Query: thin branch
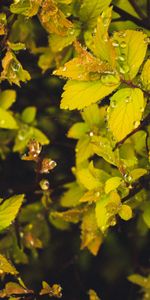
[137,9]
[141,126]
[126,16]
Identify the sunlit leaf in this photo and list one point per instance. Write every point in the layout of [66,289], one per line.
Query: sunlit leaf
[130,48]
[125,113]
[78,95]
[112,184]
[53,19]
[125,212]
[90,10]
[78,130]
[7,98]
[7,121]
[102,147]
[84,149]
[145,75]
[27,8]
[140,280]
[9,209]
[106,209]
[93,295]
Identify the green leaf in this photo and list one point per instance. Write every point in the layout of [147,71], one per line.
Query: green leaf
[7,98]
[83,149]
[78,95]
[102,45]
[16,46]
[7,121]
[106,209]
[93,115]
[57,43]
[102,147]
[72,215]
[91,177]
[40,136]
[71,197]
[112,184]
[145,75]
[6,267]
[90,10]
[137,173]
[28,115]
[78,130]
[125,212]
[130,48]
[9,209]
[27,8]
[126,110]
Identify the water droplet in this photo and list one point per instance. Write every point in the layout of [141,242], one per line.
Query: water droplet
[115,43]
[64,68]
[142,109]
[121,58]
[136,124]
[123,44]
[113,222]
[109,79]
[15,66]
[113,104]
[44,184]
[91,133]
[139,29]
[128,99]
[122,34]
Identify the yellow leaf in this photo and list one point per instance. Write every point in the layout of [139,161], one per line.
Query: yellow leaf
[53,19]
[78,130]
[125,212]
[130,46]
[84,67]
[102,45]
[7,121]
[112,184]
[90,235]
[125,112]
[6,267]
[78,95]
[145,76]
[93,295]
[84,149]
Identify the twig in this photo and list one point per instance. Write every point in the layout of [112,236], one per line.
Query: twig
[141,126]
[137,9]
[126,16]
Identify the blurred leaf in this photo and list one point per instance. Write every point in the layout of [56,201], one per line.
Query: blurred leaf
[146,213]
[112,184]
[125,212]
[137,173]
[3,23]
[16,46]
[9,209]
[93,295]
[7,121]
[29,114]
[7,98]
[140,280]
[6,267]
[54,291]
[125,112]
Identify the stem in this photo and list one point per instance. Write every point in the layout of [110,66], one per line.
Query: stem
[126,16]
[137,9]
